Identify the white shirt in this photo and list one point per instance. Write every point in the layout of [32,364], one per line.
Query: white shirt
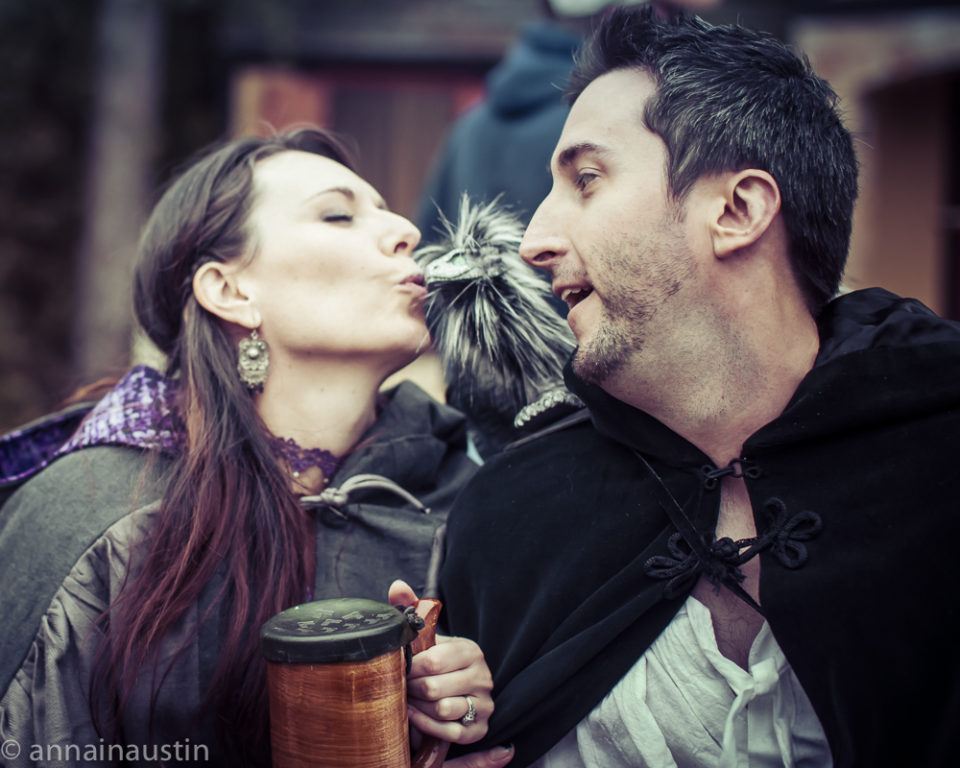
[685,705]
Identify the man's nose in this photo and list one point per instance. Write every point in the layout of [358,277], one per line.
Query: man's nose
[543,243]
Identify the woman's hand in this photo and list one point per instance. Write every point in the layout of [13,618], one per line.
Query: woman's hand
[448,691]
[440,681]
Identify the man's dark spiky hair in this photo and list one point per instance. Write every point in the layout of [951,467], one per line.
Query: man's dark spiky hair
[730,98]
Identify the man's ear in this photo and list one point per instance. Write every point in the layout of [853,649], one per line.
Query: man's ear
[216,289]
[751,201]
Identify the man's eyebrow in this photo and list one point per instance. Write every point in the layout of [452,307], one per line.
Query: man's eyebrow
[569,155]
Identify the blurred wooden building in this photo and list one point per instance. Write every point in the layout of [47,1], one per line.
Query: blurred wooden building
[143,84]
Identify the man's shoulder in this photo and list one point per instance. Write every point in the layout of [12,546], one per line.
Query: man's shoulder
[572,433]
[563,425]
[874,319]
[566,453]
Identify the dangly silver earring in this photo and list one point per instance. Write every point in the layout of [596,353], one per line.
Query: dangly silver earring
[253,361]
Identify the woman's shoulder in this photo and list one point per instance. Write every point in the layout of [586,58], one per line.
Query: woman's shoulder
[104,471]
[49,523]
[82,493]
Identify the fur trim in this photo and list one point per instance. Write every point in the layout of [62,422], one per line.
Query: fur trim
[502,343]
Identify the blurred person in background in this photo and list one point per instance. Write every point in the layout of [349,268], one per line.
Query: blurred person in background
[263,468]
[501,146]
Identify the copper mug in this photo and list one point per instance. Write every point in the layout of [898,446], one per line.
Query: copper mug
[336,679]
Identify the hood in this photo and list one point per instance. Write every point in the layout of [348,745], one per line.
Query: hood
[139,412]
[534,71]
[409,441]
[875,318]
[882,359]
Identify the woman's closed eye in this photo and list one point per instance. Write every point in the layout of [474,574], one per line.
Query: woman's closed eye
[338,218]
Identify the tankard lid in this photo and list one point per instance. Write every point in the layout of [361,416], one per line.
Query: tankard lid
[343,629]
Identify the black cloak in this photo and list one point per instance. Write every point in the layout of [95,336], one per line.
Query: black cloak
[564,564]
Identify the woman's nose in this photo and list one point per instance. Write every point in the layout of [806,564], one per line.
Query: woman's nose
[403,236]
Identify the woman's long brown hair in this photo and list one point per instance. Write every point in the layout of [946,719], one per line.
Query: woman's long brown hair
[227,510]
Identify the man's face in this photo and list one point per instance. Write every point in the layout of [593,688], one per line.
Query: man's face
[608,233]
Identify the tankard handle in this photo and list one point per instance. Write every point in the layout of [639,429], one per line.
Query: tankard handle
[432,750]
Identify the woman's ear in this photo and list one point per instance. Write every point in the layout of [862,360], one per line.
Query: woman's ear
[216,289]
[751,201]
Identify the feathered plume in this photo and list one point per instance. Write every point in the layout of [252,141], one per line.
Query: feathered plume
[501,342]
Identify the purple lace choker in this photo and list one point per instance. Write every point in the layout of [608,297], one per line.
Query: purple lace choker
[301,459]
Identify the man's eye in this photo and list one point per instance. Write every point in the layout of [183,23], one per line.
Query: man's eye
[583,179]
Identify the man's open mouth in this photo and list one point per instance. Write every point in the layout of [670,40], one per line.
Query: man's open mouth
[573,296]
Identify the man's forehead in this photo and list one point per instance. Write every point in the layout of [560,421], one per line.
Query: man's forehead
[608,110]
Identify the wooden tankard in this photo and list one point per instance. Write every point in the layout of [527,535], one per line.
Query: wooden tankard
[336,676]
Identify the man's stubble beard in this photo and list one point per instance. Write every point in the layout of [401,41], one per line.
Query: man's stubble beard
[606,353]
[648,282]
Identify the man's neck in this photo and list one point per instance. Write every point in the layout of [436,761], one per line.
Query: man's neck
[723,394]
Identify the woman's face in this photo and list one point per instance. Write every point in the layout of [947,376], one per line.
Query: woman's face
[331,273]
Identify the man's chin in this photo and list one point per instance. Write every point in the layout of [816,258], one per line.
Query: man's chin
[593,367]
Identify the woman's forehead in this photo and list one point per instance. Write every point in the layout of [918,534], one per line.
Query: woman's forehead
[296,174]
